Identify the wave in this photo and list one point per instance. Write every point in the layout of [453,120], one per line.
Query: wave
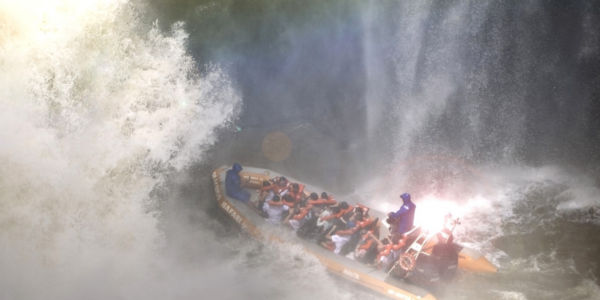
[96,109]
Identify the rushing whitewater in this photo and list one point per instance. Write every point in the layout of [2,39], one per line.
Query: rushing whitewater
[96,108]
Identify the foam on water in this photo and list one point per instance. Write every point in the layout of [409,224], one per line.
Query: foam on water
[96,108]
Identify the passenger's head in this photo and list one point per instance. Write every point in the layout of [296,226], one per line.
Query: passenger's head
[314,196]
[266,183]
[344,205]
[236,167]
[282,181]
[335,210]
[358,214]
[288,198]
[295,187]
[275,198]
[405,197]
[324,195]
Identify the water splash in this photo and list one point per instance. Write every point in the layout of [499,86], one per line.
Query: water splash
[96,109]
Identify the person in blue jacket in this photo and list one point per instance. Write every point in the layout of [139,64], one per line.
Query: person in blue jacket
[402,220]
[233,184]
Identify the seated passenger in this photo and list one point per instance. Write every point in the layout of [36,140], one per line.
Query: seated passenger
[266,191]
[297,192]
[324,224]
[345,210]
[324,200]
[265,194]
[274,186]
[362,226]
[389,253]
[369,239]
[233,184]
[274,210]
[336,241]
[281,186]
[366,251]
[317,206]
[288,200]
[364,209]
[342,236]
[340,218]
[300,215]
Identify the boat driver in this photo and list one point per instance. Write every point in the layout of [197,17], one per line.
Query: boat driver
[233,184]
[402,220]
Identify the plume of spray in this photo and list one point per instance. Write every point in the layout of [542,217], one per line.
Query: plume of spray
[452,90]
[96,108]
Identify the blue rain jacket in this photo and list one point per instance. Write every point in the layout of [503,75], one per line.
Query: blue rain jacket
[404,217]
[233,184]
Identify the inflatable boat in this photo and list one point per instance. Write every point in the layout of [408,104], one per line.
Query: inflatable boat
[386,282]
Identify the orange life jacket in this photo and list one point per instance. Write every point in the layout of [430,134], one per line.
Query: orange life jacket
[323,201]
[366,245]
[303,212]
[338,215]
[360,225]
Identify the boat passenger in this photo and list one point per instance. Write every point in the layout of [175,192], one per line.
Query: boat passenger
[323,223]
[324,200]
[364,209]
[266,191]
[282,186]
[362,226]
[317,206]
[274,210]
[339,218]
[300,215]
[402,220]
[265,194]
[366,251]
[274,186]
[336,241]
[389,253]
[344,212]
[233,184]
[297,192]
[341,237]
[288,200]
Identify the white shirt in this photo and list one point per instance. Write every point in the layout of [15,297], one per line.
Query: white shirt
[274,212]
